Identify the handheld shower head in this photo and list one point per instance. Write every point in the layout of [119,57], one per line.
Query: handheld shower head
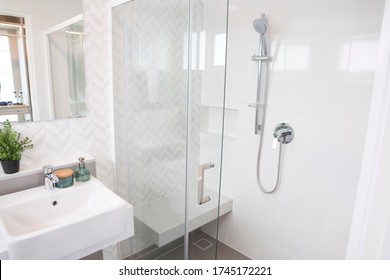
[260,25]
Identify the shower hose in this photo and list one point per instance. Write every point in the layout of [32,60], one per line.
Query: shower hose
[259,184]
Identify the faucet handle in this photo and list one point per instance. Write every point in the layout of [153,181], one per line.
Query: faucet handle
[47,169]
[284,133]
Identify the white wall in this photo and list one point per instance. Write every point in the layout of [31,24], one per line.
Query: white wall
[321,83]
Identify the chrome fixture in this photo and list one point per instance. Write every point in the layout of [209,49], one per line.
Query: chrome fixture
[50,177]
[283,133]
[201,198]
[260,25]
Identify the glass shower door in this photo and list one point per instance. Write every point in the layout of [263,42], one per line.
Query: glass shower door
[168,124]
[206,201]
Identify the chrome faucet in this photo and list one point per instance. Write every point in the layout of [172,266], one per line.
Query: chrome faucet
[50,177]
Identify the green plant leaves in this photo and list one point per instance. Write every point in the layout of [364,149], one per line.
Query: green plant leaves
[12,145]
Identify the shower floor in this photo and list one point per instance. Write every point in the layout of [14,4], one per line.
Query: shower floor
[202,247]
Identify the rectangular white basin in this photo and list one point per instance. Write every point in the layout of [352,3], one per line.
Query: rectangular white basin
[63,223]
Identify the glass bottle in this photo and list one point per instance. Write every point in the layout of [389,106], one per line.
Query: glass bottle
[82,173]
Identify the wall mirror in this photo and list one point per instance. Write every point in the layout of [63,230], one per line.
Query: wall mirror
[42,60]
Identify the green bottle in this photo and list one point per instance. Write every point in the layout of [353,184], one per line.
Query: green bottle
[82,173]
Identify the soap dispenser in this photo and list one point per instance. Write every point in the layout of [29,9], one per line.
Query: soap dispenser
[82,174]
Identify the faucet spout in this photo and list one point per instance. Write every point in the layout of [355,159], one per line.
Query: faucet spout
[50,178]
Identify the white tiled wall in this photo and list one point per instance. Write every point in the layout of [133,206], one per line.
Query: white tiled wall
[320,82]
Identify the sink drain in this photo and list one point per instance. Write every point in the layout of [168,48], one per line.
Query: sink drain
[54,203]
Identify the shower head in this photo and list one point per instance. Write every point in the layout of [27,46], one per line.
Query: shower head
[260,25]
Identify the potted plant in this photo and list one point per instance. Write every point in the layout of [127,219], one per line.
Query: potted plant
[12,145]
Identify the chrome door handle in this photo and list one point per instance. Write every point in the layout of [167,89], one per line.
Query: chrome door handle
[201,198]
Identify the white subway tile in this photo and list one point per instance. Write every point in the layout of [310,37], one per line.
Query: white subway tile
[301,211]
[333,251]
[339,223]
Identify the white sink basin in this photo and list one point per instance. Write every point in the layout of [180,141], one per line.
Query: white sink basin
[63,223]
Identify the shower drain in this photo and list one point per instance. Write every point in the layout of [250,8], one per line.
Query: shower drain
[203,244]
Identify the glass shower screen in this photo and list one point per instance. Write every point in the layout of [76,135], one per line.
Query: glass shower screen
[169,81]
